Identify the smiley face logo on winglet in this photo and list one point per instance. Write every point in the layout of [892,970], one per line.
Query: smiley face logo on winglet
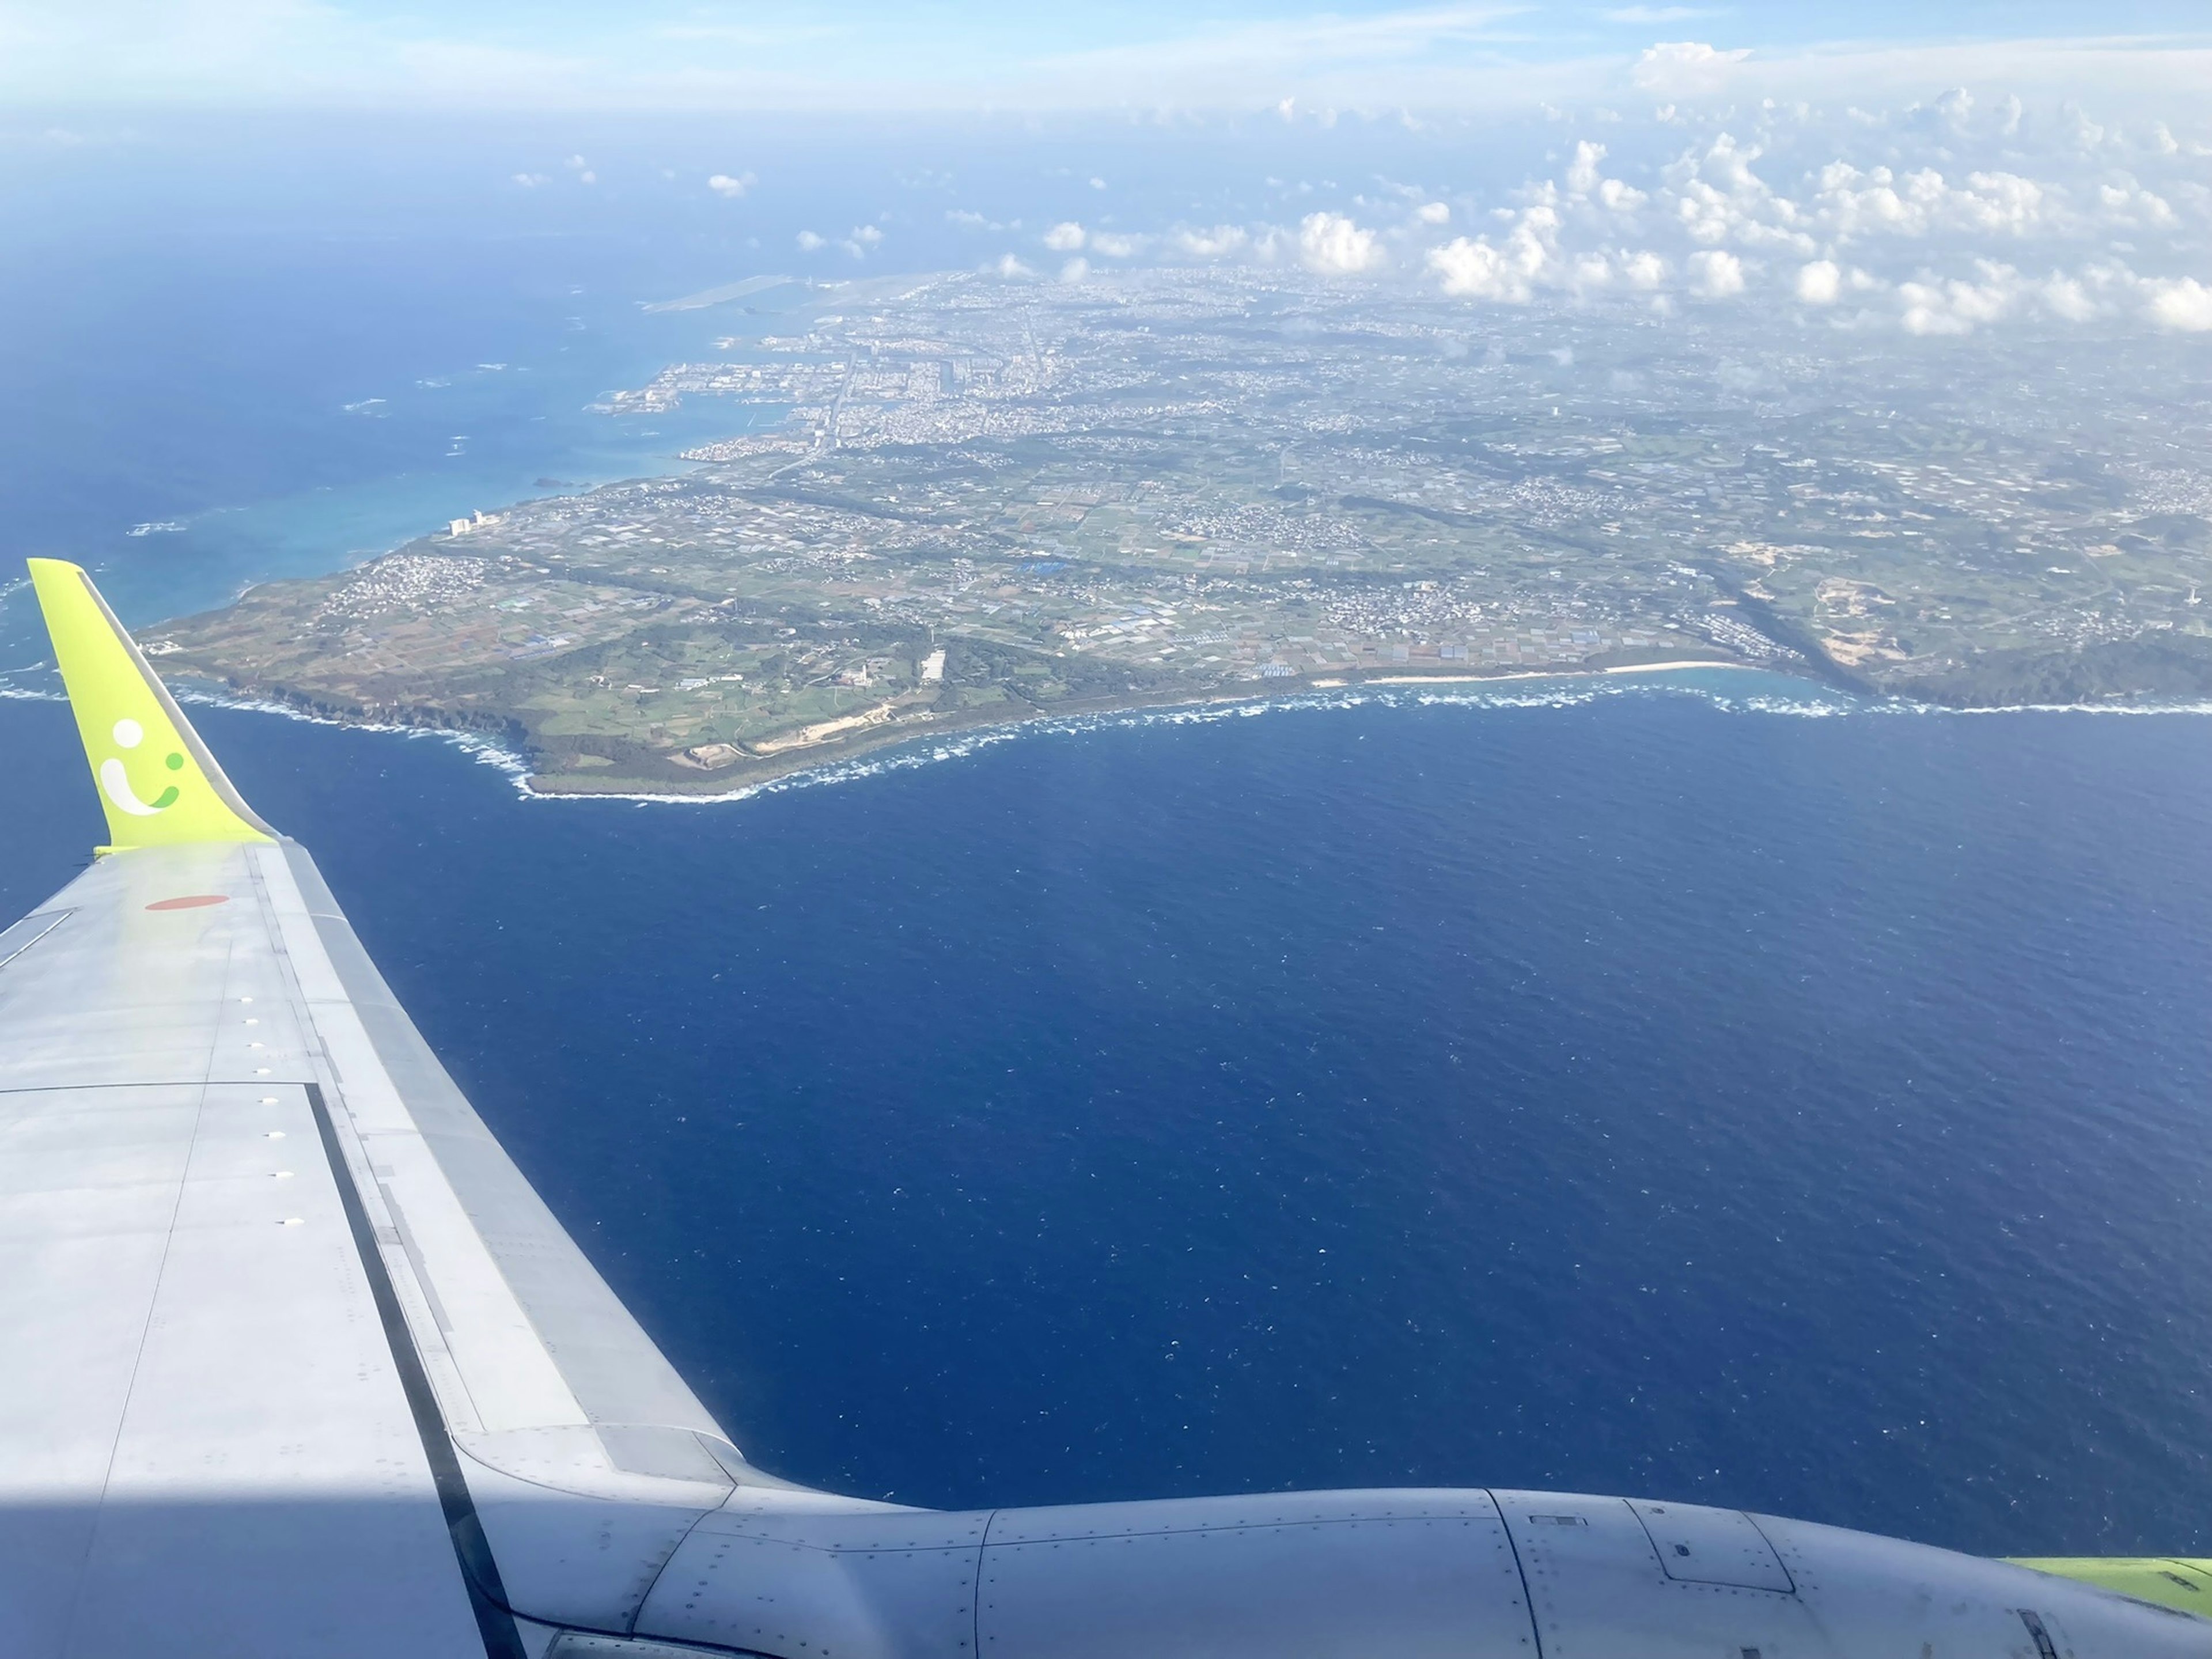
[115,782]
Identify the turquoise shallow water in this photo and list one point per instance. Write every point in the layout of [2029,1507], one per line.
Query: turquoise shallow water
[1628,1092]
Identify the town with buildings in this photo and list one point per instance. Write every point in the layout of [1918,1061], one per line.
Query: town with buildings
[987,500]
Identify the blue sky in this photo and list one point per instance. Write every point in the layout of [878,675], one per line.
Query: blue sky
[1216,55]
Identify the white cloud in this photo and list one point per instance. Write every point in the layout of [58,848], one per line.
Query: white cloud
[1958,306]
[1215,243]
[2067,298]
[1009,267]
[530,180]
[1065,238]
[1714,275]
[1821,283]
[1582,174]
[1686,68]
[1718,198]
[1075,270]
[730,185]
[1588,272]
[862,239]
[1115,246]
[1848,203]
[1645,269]
[1332,244]
[809,242]
[1433,213]
[2128,203]
[1473,268]
[1585,180]
[2182,303]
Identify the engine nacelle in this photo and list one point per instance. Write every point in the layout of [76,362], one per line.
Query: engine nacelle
[1357,1575]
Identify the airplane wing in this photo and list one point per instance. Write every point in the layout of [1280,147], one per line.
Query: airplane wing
[270,1278]
[294,1365]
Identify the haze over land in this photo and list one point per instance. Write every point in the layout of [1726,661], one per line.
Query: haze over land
[1619,424]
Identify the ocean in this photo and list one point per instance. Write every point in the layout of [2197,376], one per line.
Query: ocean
[1708,1089]
[1688,1089]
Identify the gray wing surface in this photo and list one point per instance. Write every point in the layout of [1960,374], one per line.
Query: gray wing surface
[273,1286]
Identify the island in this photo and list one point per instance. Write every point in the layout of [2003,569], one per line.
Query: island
[995,499]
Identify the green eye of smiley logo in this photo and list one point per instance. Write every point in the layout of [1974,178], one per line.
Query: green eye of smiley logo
[115,782]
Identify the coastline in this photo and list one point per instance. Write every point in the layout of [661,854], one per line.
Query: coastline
[1323,691]
[911,749]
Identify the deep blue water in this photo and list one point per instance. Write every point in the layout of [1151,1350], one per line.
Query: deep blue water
[1806,1113]
[1636,1094]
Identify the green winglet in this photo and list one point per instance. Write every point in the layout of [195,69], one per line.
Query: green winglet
[2170,1581]
[159,786]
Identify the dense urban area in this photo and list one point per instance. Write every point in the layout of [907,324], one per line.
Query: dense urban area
[993,499]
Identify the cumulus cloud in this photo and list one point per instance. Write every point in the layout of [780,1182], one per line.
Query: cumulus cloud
[2069,299]
[863,238]
[1821,283]
[1686,68]
[1895,231]
[1331,244]
[1718,198]
[1009,267]
[530,180]
[730,185]
[1848,203]
[809,242]
[1217,242]
[1585,180]
[1998,292]
[2128,203]
[1473,268]
[2182,303]
[1582,175]
[1589,273]
[1958,306]
[1714,275]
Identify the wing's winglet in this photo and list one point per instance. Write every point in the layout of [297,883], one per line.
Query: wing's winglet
[158,784]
